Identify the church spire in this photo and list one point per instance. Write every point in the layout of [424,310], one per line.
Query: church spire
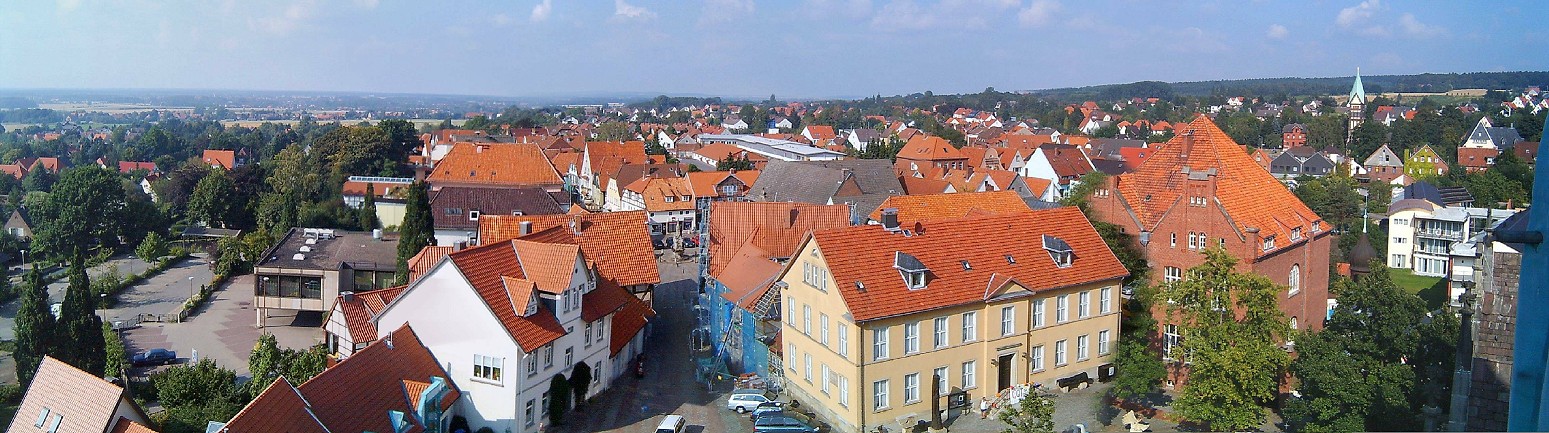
[1357,92]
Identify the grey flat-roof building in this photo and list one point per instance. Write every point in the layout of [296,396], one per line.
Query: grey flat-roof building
[308,269]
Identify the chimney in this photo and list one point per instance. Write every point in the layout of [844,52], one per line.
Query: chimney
[526,228]
[890,219]
[459,245]
[348,296]
[1188,143]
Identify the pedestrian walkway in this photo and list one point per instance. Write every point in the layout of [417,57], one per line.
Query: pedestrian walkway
[56,291]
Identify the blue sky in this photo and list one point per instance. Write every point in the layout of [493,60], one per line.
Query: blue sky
[792,48]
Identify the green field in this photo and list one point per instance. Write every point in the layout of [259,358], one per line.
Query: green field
[1432,289]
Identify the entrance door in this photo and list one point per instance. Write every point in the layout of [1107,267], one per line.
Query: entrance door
[1004,371]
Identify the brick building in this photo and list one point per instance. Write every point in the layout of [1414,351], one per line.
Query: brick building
[1494,332]
[1201,190]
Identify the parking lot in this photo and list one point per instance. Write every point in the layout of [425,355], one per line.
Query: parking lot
[223,329]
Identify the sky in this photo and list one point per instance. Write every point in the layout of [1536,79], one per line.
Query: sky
[790,48]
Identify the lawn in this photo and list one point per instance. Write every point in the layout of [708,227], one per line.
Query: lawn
[1432,289]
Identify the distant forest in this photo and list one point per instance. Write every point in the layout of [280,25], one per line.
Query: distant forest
[1435,83]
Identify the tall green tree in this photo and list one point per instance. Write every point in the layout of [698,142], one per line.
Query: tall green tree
[367,214]
[559,398]
[1232,328]
[152,248]
[34,326]
[78,337]
[39,180]
[418,229]
[85,209]
[211,202]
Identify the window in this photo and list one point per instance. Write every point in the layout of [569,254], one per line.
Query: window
[790,310]
[1294,281]
[1296,234]
[1171,274]
[1293,322]
[942,386]
[806,319]
[879,395]
[844,341]
[1059,353]
[911,388]
[823,329]
[1102,342]
[1174,243]
[826,377]
[1192,243]
[879,343]
[1105,300]
[806,370]
[588,339]
[532,367]
[1008,323]
[844,391]
[1081,353]
[548,356]
[1269,243]
[1170,339]
[529,415]
[939,331]
[1035,358]
[970,326]
[569,356]
[1400,240]
[815,276]
[545,400]
[911,337]
[790,355]
[968,374]
[473,215]
[1038,313]
[1061,313]
[914,279]
[1084,304]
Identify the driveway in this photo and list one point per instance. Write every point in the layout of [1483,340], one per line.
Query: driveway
[160,294]
[223,329]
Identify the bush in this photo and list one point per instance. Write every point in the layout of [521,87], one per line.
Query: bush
[11,394]
[117,355]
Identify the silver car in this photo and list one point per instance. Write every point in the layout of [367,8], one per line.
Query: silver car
[744,403]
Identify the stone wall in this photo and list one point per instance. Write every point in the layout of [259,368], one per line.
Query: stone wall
[1493,339]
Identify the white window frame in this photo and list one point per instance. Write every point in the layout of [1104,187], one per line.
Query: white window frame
[939,332]
[1060,353]
[1172,274]
[844,341]
[823,329]
[1008,320]
[879,395]
[1082,347]
[911,337]
[879,343]
[970,372]
[806,319]
[1102,342]
[1105,300]
[530,413]
[1062,308]
[827,375]
[1035,358]
[489,368]
[970,326]
[806,370]
[1171,338]
[1037,313]
[1294,280]
[911,388]
[1084,304]
[944,383]
[844,391]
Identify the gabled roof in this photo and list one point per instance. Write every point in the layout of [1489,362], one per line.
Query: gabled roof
[916,208]
[483,266]
[280,408]
[603,300]
[617,242]
[425,259]
[656,191]
[774,228]
[818,182]
[503,164]
[488,201]
[124,425]
[628,322]
[929,148]
[861,260]
[82,402]
[549,265]
[1249,195]
[756,270]
[361,309]
[820,132]
[1069,162]
[224,158]
[128,166]
[1383,157]
[704,183]
[607,156]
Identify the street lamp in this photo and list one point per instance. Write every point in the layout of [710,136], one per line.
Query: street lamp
[190,287]
[24,259]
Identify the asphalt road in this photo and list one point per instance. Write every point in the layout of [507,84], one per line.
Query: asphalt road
[56,291]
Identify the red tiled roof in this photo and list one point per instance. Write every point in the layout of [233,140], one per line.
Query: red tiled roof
[920,185]
[495,164]
[521,292]
[1477,157]
[929,148]
[356,394]
[124,425]
[358,314]
[755,272]
[1068,161]
[821,132]
[128,166]
[603,300]
[861,259]
[564,161]
[224,158]
[657,190]
[1037,186]
[426,259]
[87,403]
[916,208]
[774,227]
[607,156]
[484,266]
[279,409]
[704,183]
[16,170]
[549,265]
[618,242]
[49,163]
[627,323]
[1249,194]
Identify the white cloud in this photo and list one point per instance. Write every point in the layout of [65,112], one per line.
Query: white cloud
[286,22]
[1038,13]
[852,9]
[67,6]
[542,11]
[723,11]
[1277,31]
[1413,27]
[626,11]
[957,14]
[1355,15]
[367,4]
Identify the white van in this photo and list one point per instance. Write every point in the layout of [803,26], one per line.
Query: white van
[670,424]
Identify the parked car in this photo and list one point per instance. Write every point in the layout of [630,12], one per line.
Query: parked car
[767,408]
[689,242]
[154,357]
[788,423]
[671,424]
[744,403]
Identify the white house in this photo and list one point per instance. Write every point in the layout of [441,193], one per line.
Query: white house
[666,140]
[508,317]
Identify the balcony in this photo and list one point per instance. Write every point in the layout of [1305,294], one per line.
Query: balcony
[1451,235]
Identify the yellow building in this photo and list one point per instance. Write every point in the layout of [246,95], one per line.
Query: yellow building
[871,314]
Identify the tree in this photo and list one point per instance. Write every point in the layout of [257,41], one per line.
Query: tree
[34,326]
[581,381]
[1033,414]
[268,361]
[417,231]
[39,179]
[84,209]
[367,213]
[195,394]
[1232,328]
[734,162]
[152,248]
[79,334]
[559,398]
[614,131]
[211,202]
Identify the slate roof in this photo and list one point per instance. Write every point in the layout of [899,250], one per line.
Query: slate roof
[618,242]
[916,208]
[503,164]
[861,260]
[1250,196]
[81,401]
[488,201]
[818,182]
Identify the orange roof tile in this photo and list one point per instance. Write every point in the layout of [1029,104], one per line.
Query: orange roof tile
[224,158]
[627,323]
[549,265]
[603,300]
[564,162]
[365,306]
[929,148]
[356,394]
[124,425]
[916,208]
[1249,194]
[494,164]
[755,269]
[1037,186]
[657,190]
[618,242]
[705,184]
[426,259]
[821,132]
[280,408]
[774,227]
[15,170]
[484,266]
[861,260]
[521,293]
[85,402]
[607,156]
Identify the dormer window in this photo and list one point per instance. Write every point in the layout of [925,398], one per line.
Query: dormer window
[910,268]
[1059,251]
[1269,243]
[1296,234]
[473,215]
